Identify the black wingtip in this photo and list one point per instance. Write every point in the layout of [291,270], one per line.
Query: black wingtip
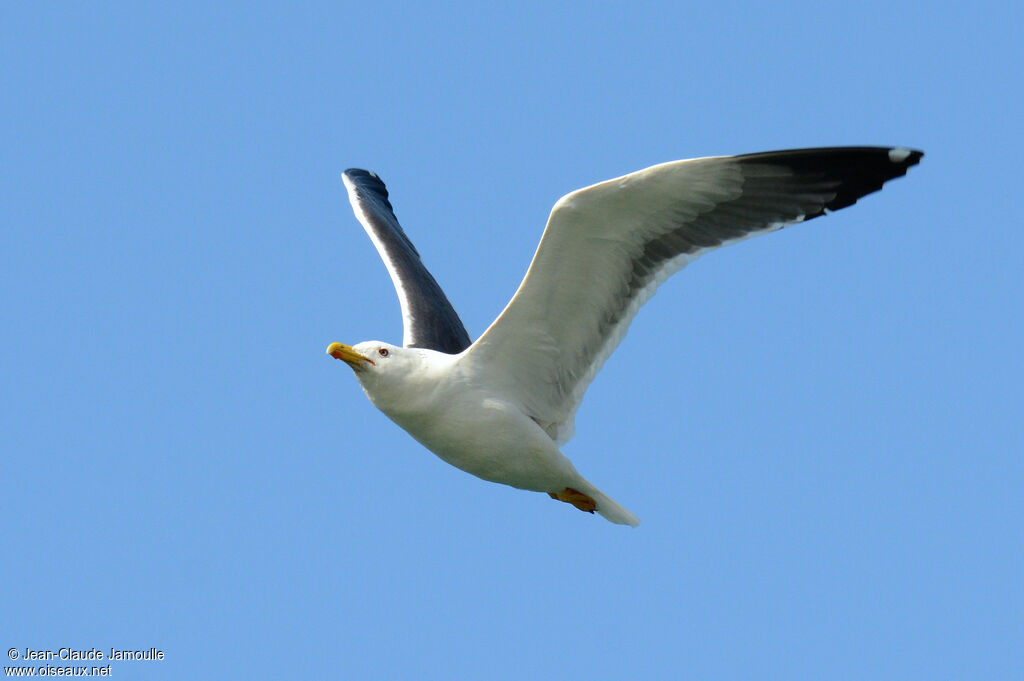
[367,179]
[905,157]
[368,183]
[359,172]
[854,172]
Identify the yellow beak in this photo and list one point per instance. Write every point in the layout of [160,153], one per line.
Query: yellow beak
[346,354]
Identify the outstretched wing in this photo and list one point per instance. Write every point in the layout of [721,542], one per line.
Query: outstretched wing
[429,320]
[607,247]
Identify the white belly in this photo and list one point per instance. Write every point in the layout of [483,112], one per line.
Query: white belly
[491,439]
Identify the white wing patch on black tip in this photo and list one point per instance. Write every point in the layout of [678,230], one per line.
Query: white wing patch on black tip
[898,154]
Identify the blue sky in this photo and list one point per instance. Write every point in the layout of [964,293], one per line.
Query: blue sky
[821,429]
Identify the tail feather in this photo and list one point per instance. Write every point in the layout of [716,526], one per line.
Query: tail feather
[611,510]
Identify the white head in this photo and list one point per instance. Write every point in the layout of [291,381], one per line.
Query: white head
[372,358]
[385,371]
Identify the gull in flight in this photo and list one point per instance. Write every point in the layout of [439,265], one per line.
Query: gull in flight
[500,407]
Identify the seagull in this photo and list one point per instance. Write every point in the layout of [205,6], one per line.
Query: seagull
[500,407]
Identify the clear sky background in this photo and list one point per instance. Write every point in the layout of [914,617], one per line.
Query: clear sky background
[820,429]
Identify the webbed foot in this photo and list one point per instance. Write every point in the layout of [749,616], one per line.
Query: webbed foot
[576,498]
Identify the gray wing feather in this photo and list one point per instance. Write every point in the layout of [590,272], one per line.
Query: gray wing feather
[608,247]
[429,319]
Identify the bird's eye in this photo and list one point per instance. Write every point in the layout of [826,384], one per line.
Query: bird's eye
[383,352]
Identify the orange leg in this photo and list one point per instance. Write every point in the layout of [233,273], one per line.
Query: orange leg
[576,498]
